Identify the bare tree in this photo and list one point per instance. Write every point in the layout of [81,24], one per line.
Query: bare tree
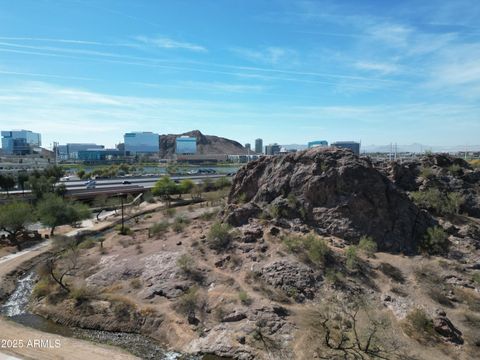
[351,330]
[64,263]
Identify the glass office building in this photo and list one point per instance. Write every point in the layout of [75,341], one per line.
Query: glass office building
[20,142]
[321,143]
[185,145]
[141,143]
[259,146]
[352,145]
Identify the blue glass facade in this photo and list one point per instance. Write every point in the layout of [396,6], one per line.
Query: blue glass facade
[20,142]
[322,143]
[141,143]
[186,145]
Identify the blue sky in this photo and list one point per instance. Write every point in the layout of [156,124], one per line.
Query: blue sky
[286,71]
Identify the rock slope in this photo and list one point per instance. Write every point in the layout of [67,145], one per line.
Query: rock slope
[206,144]
[332,191]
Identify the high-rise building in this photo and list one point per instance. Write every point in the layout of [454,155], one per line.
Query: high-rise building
[272,149]
[141,143]
[259,146]
[318,143]
[186,145]
[352,145]
[70,151]
[248,147]
[20,142]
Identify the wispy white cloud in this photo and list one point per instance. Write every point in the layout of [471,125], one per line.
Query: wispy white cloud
[70,114]
[168,43]
[382,68]
[271,55]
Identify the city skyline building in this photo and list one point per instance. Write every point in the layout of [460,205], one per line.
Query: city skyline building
[70,151]
[259,146]
[272,149]
[248,147]
[351,145]
[317,143]
[141,143]
[20,142]
[185,145]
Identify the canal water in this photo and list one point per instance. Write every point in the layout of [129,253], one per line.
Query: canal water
[16,308]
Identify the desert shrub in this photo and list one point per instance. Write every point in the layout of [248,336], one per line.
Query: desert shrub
[126,242]
[149,198]
[368,246]
[419,326]
[441,203]
[476,277]
[426,172]
[351,258]
[126,230]
[334,277]
[292,200]
[244,298]
[208,215]
[277,211]
[159,228]
[475,163]
[438,295]
[455,169]
[180,223]
[188,302]
[123,308]
[311,247]
[392,272]
[435,241]
[469,297]
[242,198]
[170,212]
[219,236]
[136,283]
[87,244]
[80,294]
[43,287]
[186,263]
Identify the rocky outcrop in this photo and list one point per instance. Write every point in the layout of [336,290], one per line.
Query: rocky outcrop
[332,191]
[206,144]
[440,171]
[444,327]
[293,278]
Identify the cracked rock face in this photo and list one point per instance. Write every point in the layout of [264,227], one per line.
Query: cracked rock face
[333,191]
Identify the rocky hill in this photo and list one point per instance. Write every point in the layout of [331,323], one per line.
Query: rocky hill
[306,268]
[332,191]
[206,144]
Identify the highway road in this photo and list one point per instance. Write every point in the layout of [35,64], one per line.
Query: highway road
[136,184]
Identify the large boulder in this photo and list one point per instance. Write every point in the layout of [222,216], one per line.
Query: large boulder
[333,191]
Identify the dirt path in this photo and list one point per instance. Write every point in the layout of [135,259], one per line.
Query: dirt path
[39,346]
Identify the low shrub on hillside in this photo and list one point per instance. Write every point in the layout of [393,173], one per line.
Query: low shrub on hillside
[158,228]
[419,326]
[312,248]
[220,236]
[435,242]
[368,246]
[441,203]
[180,223]
[352,258]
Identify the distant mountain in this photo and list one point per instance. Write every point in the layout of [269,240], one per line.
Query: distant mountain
[206,144]
[419,148]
